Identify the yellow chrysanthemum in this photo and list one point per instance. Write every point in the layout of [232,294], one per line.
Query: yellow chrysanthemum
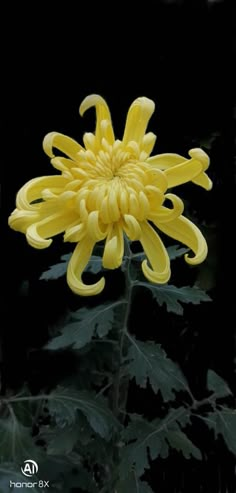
[111,187]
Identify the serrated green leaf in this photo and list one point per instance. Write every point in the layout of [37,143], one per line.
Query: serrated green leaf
[85,323]
[16,442]
[172,296]
[176,251]
[223,422]
[217,385]
[148,362]
[179,441]
[132,484]
[148,440]
[64,403]
[54,272]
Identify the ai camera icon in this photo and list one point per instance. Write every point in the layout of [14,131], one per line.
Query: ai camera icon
[29,468]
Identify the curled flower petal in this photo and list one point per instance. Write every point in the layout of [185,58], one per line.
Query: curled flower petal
[144,206]
[114,248]
[102,114]
[200,156]
[76,266]
[180,170]
[20,220]
[35,240]
[132,227]
[182,173]
[158,179]
[138,117]
[75,233]
[61,142]
[37,234]
[62,163]
[183,230]
[94,227]
[156,254]
[203,181]
[32,190]
[112,203]
[148,143]
[166,160]
[164,214]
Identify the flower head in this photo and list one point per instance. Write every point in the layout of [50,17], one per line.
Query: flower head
[108,188]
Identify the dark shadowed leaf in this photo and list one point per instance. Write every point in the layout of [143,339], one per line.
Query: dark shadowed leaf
[145,441]
[223,422]
[173,296]
[57,270]
[84,324]
[64,403]
[217,385]
[180,442]
[60,441]
[16,442]
[148,362]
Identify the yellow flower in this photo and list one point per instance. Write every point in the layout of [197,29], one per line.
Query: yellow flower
[109,187]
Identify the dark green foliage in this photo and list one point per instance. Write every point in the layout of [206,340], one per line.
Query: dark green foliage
[61,441]
[173,296]
[65,402]
[148,440]
[223,422]
[148,363]
[16,442]
[80,431]
[83,325]
[217,385]
[57,270]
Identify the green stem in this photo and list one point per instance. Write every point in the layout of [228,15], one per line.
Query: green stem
[30,398]
[118,383]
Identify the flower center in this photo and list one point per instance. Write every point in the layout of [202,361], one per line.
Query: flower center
[116,181]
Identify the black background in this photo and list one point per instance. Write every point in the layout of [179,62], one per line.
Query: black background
[181,55]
